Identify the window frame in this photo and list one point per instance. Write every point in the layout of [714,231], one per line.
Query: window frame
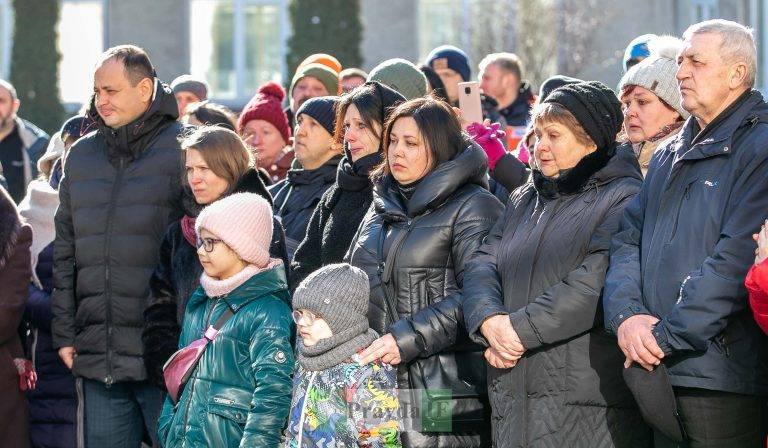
[69,106]
[239,45]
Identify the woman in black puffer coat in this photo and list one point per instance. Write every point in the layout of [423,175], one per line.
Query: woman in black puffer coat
[432,209]
[360,118]
[215,159]
[532,292]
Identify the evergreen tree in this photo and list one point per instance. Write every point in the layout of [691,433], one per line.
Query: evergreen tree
[35,62]
[324,26]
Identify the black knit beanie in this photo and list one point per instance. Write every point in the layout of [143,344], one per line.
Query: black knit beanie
[595,107]
[322,109]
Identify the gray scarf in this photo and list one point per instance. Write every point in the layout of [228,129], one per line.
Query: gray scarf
[336,349]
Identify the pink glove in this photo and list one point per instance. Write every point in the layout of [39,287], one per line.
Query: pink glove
[489,138]
[27,374]
[522,150]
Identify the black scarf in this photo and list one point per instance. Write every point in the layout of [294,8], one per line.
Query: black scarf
[572,180]
[356,176]
[406,191]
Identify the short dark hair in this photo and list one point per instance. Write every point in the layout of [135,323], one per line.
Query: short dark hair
[135,61]
[213,114]
[439,127]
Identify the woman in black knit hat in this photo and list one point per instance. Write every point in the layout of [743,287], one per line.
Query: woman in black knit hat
[532,292]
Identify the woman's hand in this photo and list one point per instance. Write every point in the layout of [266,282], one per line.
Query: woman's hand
[495,359]
[502,337]
[385,348]
[761,253]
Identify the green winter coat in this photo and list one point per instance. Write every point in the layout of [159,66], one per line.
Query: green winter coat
[240,392]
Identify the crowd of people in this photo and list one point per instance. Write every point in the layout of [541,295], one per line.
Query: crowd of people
[351,262]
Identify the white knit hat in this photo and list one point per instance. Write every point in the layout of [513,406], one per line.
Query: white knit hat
[657,72]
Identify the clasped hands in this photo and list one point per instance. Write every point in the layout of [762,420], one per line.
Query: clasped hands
[637,342]
[505,346]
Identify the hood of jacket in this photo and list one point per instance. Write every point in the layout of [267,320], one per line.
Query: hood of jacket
[130,140]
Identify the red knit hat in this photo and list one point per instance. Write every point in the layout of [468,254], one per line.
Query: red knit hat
[267,105]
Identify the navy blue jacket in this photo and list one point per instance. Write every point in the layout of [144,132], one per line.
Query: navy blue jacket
[53,404]
[685,246]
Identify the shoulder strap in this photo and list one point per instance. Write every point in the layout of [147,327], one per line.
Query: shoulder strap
[223,318]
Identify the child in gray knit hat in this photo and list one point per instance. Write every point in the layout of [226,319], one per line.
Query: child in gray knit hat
[336,401]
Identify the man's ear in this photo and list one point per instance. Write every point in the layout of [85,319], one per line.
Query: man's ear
[146,89]
[16,105]
[737,75]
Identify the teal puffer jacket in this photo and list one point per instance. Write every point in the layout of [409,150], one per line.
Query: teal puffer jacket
[240,392]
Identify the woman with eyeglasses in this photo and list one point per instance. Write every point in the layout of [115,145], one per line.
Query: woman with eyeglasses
[217,164]
[238,391]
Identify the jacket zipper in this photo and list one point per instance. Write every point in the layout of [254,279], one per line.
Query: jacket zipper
[304,408]
[686,196]
[192,380]
[107,281]
[387,268]
[33,349]
[80,413]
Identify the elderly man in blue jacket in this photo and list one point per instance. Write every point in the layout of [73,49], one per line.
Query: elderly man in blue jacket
[674,292]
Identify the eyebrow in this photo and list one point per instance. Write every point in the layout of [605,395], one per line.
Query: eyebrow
[405,135]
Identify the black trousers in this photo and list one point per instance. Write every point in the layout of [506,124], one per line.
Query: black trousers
[714,419]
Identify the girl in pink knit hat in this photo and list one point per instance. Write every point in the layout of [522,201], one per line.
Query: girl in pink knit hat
[238,391]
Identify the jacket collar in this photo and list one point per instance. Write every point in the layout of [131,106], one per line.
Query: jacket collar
[271,281]
[748,109]
[325,173]
[468,167]
[130,141]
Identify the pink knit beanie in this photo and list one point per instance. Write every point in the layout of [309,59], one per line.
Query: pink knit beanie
[244,222]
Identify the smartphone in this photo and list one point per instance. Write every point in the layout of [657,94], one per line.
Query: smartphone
[469,102]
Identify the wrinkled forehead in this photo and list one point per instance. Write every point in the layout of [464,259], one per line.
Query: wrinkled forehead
[701,44]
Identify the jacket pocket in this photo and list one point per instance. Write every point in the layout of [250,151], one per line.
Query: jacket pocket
[225,421]
[229,409]
[681,205]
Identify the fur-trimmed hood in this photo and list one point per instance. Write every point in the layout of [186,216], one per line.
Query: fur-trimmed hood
[10,226]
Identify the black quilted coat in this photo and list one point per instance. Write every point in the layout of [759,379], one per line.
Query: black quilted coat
[544,264]
[426,242]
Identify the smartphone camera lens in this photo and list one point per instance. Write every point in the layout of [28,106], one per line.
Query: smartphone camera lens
[467,90]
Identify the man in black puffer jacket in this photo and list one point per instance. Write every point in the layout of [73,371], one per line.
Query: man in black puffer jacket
[121,189]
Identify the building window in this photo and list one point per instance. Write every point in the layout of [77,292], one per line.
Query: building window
[440,23]
[80,47]
[704,10]
[237,45]
[6,38]
[478,27]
